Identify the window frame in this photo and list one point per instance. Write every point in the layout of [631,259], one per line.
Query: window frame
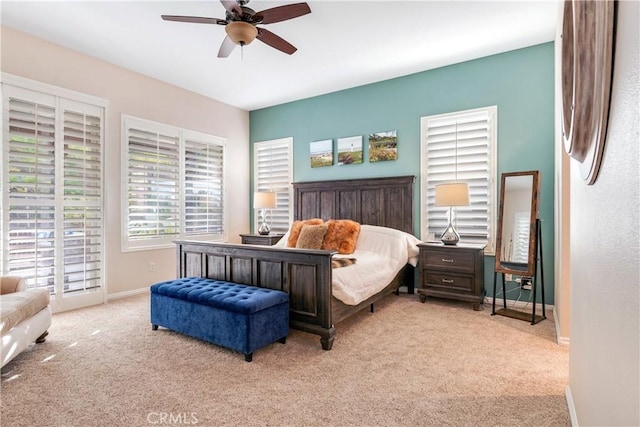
[258,186]
[492,195]
[166,241]
[63,100]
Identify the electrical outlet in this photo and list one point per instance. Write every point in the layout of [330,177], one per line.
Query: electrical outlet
[508,277]
[152,266]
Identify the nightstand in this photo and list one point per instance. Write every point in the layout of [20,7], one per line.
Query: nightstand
[261,239]
[452,271]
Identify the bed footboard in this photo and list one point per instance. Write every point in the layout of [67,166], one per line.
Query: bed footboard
[303,273]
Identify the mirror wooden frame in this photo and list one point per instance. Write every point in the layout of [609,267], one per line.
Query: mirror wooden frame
[510,268]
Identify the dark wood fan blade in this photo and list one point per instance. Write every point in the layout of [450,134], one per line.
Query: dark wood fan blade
[282,13]
[226,47]
[194,19]
[274,41]
[231,6]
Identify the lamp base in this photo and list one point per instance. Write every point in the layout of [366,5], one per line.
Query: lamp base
[264,229]
[450,236]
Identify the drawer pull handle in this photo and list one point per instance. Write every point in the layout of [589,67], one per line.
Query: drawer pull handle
[447,281]
[446,260]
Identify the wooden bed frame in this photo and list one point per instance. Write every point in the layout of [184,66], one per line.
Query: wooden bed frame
[306,274]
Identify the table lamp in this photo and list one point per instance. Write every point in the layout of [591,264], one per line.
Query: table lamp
[264,201]
[453,194]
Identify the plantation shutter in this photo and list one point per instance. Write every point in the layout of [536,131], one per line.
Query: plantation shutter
[458,148]
[30,208]
[83,235]
[273,172]
[153,182]
[175,184]
[52,186]
[203,187]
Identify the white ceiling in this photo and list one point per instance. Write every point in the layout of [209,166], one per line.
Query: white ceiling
[341,44]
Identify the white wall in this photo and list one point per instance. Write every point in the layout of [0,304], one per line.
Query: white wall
[562,207]
[141,96]
[604,367]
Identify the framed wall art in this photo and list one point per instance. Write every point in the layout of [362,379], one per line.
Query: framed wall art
[350,150]
[587,66]
[321,153]
[383,146]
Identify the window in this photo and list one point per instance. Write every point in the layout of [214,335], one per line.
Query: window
[174,184]
[52,185]
[203,187]
[273,171]
[460,146]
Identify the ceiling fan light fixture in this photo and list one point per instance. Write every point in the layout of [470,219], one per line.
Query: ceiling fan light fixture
[241,33]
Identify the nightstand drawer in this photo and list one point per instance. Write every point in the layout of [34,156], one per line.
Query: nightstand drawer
[450,260]
[451,282]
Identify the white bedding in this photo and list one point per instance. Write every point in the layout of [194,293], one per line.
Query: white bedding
[380,254]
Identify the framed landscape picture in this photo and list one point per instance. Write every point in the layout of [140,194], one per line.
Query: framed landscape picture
[383,146]
[321,153]
[350,150]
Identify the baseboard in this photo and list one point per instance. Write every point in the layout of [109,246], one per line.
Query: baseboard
[572,408]
[125,294]
[560,339]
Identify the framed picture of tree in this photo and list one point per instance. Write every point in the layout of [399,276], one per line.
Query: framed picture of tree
[383,146]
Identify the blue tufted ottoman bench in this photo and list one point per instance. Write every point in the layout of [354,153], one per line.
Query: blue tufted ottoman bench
[240,317]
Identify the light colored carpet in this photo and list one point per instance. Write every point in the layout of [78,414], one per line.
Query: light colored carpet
[433,364]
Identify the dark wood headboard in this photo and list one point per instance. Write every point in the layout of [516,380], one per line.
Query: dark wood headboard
[386,202]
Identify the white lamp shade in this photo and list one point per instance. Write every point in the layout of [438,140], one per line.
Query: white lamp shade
[454,194]
[263,200]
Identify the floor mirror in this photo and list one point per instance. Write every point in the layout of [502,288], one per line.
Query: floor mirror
[519,241]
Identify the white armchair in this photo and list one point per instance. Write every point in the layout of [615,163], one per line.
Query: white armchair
[26,316]
[11,284]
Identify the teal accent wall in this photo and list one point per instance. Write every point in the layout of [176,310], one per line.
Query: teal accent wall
[519,82]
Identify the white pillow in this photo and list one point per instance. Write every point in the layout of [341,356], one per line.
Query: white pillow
[389,242]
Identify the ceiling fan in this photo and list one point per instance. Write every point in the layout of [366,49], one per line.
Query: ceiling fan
[240,24]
